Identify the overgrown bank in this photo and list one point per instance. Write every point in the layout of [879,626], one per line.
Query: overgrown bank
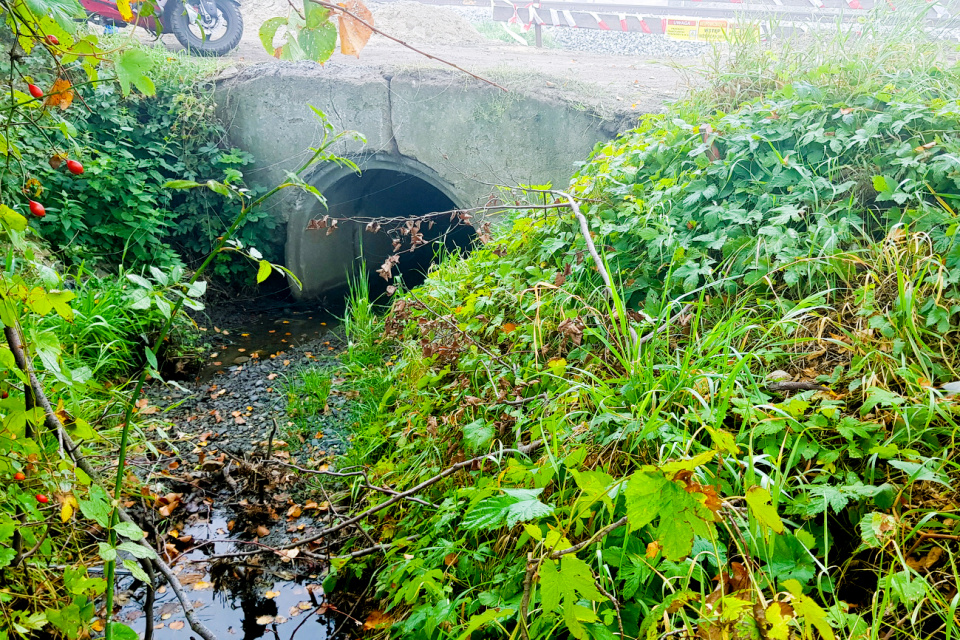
[752,437]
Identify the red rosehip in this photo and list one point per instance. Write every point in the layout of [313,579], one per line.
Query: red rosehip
[42,499]
[37,209]
[35,91]
[52,39]
[74,167]
[4,395]
[19,476]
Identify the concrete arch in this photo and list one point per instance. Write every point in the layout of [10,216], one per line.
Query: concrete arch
[454,135]
[405,186]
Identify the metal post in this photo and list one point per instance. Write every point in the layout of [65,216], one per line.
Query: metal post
[539,34]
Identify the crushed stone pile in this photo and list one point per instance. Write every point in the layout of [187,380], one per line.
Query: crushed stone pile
[417,23]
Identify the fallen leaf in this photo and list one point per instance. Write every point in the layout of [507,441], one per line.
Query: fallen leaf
[377,619]
[271,594]
[305,606]
[203,584]
[264,620]
[509,327]
[262,531]
[176,625]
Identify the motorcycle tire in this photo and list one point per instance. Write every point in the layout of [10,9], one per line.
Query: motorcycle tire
[179,22]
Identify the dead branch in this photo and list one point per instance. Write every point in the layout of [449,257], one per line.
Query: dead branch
[597,261]
[336,7]
[340,474]
[679,314]
[376,508]
[53,423]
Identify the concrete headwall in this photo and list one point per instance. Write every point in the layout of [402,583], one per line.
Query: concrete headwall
[456,134]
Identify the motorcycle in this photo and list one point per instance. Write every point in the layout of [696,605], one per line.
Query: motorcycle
[203,27]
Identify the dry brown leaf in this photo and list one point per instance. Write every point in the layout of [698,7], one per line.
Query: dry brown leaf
[354,34]
[294,511]
[305,606]
[509,327]
[262,531]
[272,376]
[264,620]
[377,619]
[60,94]
[176,625]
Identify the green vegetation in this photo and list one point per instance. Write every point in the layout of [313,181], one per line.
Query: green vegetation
[118,212]
[772,456]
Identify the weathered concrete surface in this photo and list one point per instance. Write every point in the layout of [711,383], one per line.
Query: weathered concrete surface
[455,134]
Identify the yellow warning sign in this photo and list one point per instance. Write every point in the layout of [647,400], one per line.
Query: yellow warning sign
[706,30]
[681,28]
[712,30]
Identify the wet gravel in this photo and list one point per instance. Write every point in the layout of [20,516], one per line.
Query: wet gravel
[240,394]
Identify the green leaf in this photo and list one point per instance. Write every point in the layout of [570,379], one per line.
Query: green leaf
[316,15]
[140,281]
[181,184]
[12,219]
[811,613]
[877,529]
[108,553]
[481,619]
[121,631]
[134,568]
[151,357]
[566,582]
[129,530]
[263,271]
[682,515]
[137,550]
[477,434]
[268,31]
[758,499]
[132,66]
[318,44]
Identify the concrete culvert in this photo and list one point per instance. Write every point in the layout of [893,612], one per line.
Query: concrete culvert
[405,199]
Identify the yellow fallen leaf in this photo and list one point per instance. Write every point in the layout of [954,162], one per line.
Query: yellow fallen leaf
[177,625]
[271,594]
[202,584]
[264,620]
[69,506]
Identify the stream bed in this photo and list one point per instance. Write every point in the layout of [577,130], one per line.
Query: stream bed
[215,495]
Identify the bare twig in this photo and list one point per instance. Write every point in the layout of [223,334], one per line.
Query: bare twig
[532,566]
[335,7]
[616,607]
[594,538]
[796,386]
[663,327]
[361,473]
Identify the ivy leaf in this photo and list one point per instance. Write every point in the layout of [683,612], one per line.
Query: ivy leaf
[132,66]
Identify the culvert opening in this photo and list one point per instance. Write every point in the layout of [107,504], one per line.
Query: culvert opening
[404,199]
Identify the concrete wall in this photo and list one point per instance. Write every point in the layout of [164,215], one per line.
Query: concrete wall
[456,134]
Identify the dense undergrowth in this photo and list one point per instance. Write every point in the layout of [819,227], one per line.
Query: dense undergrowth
[773,458]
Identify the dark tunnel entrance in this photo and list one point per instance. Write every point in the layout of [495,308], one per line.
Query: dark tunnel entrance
[405,199]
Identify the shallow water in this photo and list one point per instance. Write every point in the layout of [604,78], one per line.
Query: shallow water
[263,336]
[254,606]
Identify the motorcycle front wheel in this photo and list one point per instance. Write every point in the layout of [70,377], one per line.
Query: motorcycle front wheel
[212,35]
